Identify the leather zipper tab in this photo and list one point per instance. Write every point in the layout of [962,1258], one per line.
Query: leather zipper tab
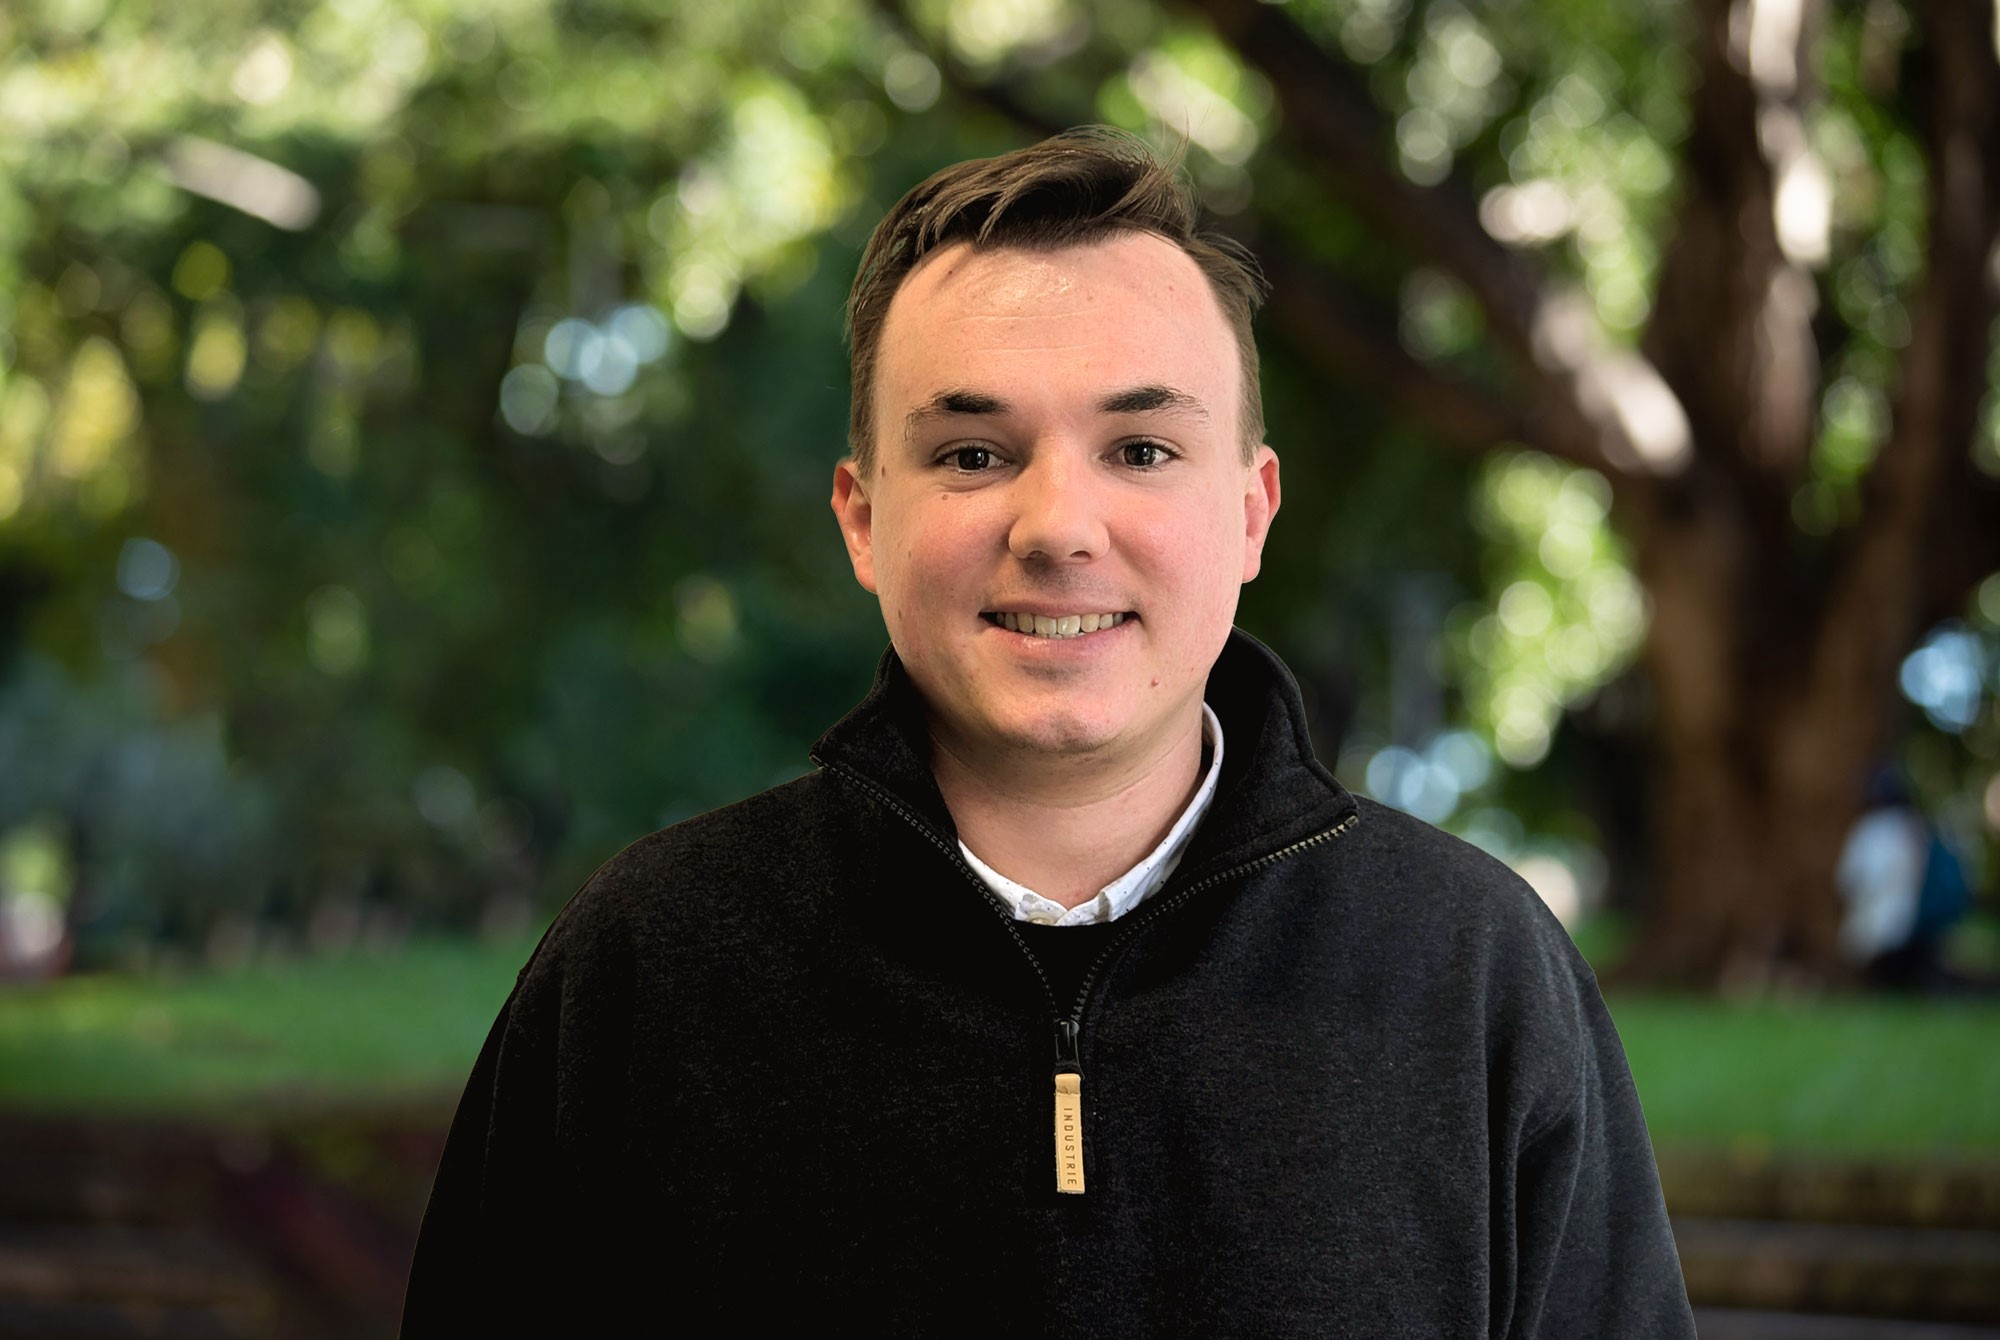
[1069,1134]
[1069,1110]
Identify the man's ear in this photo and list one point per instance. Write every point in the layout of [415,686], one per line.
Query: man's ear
[1260,503]
[857,521]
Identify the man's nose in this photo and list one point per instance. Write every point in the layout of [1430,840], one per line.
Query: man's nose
[1059,515]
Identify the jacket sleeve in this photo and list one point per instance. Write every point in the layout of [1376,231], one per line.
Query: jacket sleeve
[475,1269]
[1594,1253]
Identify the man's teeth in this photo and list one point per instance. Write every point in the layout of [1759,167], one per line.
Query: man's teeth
[1064,625]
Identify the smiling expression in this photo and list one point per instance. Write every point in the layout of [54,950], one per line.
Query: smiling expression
[1061,510]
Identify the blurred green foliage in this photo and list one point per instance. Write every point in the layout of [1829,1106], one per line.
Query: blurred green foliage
[416,418]
[325,594]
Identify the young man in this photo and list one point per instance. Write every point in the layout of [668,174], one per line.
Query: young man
[1071,995]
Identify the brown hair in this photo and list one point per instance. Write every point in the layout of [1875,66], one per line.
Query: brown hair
[1071,189]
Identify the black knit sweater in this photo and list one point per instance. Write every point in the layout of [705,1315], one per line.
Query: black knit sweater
[1342,1076]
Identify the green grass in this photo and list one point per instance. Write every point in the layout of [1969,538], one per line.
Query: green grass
[354,1026]
[1848,1075]
[1852,1075]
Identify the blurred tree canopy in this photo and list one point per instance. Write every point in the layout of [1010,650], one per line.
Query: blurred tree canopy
[416,420]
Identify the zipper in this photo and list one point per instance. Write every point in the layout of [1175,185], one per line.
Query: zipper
[1069,1028]
[1163,904]
[957,858]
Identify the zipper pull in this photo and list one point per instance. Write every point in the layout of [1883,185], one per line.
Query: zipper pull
[1069,1110]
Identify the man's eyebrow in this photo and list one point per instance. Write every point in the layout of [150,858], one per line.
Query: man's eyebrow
[956,401]
[1132,400]
[1142,399]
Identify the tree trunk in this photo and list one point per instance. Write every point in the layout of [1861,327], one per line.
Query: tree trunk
[1749,804]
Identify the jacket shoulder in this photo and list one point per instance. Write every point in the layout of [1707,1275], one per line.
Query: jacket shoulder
[745,862]
[1461,920]
[1435,878]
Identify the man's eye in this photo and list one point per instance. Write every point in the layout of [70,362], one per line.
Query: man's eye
[969,459]
[1144,455]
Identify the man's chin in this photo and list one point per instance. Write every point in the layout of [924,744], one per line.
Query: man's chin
[1066,740]
[1050,734]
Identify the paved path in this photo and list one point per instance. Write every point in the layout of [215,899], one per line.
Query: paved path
[112,1229]
[300,1227]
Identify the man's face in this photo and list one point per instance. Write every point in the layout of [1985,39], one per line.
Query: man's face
[1056,447]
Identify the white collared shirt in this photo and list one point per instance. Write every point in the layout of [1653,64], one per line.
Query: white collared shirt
[1133,887]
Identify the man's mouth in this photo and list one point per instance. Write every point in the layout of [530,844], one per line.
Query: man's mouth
[1059,625]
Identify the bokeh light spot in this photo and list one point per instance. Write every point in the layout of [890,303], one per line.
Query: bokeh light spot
[147,569]
[528,399]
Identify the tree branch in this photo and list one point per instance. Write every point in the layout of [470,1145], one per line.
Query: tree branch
[1731,326]
[1336,331]
[1594,404]
[1330,112]
[1964,548]
[1918,545]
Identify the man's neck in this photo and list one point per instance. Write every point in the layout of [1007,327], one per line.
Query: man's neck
[1067,827]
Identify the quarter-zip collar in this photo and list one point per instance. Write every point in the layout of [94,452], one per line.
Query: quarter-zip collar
[1273,791]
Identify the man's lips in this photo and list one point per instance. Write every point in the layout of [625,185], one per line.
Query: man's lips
[1036,624]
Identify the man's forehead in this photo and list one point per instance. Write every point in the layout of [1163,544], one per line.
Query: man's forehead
[1006,274]
[1124,324]
[1013,277]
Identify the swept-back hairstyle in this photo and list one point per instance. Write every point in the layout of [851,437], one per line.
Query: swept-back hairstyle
[1077,187]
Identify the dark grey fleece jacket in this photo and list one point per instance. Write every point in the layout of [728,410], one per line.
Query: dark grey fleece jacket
[1342,1076]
